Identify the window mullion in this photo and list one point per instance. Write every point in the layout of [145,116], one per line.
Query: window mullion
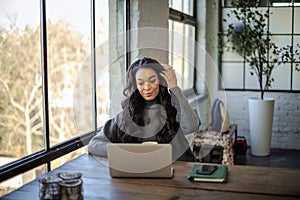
[128,27]
[93,65]
[44,63]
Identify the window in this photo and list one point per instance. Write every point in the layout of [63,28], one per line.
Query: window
[54,77]
[21,107]
[68,45]
[182,35]
[183,6]
[283,25]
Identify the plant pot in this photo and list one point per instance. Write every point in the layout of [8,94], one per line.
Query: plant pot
[261,121]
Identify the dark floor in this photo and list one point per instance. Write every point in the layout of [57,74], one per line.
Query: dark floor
[278,158]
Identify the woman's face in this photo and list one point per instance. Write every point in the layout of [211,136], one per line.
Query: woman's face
[147,83]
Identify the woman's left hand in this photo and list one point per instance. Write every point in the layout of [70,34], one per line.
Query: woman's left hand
[169,75]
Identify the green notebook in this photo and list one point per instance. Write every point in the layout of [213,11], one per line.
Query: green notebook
[220,175]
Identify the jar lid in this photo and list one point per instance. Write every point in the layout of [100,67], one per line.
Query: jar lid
[69,176]
[49,179]
[70,183]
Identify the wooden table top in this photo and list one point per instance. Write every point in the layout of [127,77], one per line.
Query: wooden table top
[244,182]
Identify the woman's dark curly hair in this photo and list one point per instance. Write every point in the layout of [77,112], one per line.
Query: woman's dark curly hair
[135,104]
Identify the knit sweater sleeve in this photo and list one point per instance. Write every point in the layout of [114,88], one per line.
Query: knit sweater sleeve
[107,134]
[188,119]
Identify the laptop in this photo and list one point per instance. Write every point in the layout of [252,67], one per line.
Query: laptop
[140,160]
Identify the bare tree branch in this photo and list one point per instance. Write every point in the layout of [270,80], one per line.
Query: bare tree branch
[11,99]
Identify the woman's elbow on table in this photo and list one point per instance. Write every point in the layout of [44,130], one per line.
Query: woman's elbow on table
[97,146]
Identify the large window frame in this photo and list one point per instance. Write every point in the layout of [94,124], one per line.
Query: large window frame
[183,17]
[50,153]
[246,79]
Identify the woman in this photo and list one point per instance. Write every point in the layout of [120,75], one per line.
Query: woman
[154,109]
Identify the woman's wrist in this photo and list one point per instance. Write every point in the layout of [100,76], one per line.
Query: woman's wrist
[174,89]
[172,86]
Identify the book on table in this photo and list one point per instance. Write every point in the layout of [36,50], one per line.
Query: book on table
[215,173]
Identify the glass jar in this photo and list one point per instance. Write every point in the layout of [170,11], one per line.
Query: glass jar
[49,188]
[71,189]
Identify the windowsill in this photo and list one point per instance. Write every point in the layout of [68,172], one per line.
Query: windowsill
[197,98]
[192,97]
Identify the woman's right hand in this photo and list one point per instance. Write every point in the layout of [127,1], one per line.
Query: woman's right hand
[169,75]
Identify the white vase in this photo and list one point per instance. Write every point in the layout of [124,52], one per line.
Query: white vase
[261,121]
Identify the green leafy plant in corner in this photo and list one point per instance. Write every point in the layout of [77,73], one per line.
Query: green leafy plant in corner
[250,38]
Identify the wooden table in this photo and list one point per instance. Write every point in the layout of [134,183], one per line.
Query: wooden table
[244,182]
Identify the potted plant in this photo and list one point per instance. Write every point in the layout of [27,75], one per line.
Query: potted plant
[250,38]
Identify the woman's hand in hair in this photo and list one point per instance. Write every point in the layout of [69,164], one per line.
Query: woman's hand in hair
[169,75]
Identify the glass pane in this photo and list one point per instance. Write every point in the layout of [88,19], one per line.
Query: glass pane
[102,48]
[177,65]
[230,55]
[181,52]
[282,3]
[230,18]
[227,14]
[102,21]
[280,41]
[21,107]
[227,3]
[230,70]
[296,79]
[188,7]
[296,20]
[176,4]
[68,35]
[185,6]
[176,50]
[189,55]
[281,77]
[171,39]
[251,81]
[280,20]
[111,57]
[297,41]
